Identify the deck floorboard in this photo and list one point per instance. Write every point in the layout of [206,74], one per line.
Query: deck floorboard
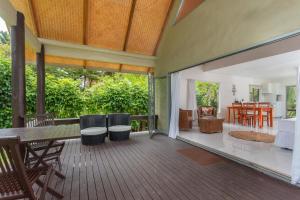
[153,169]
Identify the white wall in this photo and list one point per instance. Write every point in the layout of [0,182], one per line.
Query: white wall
[284,83]
[225,93]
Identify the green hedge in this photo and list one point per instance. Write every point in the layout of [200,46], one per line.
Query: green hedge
[65,98]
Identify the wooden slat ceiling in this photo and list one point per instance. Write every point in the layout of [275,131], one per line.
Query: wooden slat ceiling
[125,25]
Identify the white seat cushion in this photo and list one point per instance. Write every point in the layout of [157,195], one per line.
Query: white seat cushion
[119,128]
[93,131]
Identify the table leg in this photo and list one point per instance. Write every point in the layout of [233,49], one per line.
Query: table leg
[271,117]
[260,118]
[40,158]
[228,114]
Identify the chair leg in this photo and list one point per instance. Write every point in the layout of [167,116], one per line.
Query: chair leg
[59,163]
[49,189]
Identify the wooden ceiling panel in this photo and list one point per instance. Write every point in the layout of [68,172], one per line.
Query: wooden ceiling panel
[102,65]
[62,61]
[131,68]
[23,6]
[60,20]
[147,23]
[108,21]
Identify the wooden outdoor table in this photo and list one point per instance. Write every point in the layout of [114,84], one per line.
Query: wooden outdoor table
[47,133]
[259,110]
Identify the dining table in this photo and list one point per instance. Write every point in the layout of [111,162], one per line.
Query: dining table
[260,110]
[47,134]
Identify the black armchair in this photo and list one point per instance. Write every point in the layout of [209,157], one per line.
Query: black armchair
[93,129]
[119,127]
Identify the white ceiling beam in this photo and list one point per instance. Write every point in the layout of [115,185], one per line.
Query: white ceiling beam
[85,52]
[9,15]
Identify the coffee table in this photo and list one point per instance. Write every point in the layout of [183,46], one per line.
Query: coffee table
[210,124]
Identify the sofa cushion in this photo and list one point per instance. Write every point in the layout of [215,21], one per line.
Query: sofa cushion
[94,131]
[119,128]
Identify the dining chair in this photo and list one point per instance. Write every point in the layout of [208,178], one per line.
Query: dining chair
[236,110]
[16,181]
[265,114]
[249,114]
[54,151]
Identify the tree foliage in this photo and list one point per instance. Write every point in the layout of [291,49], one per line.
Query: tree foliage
[207,93]
[4,37]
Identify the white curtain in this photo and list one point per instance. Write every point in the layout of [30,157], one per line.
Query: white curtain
[296,151]
[191,97]
[175,98]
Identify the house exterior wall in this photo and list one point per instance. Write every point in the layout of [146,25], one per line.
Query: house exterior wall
[219,27]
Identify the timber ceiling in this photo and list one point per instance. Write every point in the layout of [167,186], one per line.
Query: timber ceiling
[133,26]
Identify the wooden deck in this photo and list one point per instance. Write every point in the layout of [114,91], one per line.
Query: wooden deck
[160,168]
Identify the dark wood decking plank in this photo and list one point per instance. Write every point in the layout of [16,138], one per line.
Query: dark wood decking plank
[156,179]
[56,181]
[97,177]
[122,183]
[91,184]
[144,180]
[221,183]
[132,173]
[75,190]
[82,165]
[65,186]
[103,173]
[142,168]
[127,175]
[111,177]
[234,177]
[186,185]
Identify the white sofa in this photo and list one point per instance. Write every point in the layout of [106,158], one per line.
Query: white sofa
[286,133]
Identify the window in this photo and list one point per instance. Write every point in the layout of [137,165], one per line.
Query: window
[291,101]
[207,94]
[254,93]
[186,7]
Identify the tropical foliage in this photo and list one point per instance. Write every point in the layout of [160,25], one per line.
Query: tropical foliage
[71,92]
[207,93]
[291,101]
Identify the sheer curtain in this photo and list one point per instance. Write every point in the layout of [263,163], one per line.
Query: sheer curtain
[191,97]
[296,150]
[175,98]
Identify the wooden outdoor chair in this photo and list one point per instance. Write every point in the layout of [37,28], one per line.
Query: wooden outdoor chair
[16,181]
[39,147]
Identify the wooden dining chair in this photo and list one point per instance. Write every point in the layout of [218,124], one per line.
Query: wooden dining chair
[249,114]
[16,181]
[39,147]
[265,115]
[236,111]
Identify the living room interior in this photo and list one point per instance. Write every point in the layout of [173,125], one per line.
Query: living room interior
[263,142]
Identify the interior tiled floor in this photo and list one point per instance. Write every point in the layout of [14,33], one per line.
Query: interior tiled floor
[262,156]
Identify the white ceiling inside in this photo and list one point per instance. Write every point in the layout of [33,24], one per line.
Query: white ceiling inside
[281,66]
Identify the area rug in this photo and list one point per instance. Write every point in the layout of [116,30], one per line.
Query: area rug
[201,156]
[253,136]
